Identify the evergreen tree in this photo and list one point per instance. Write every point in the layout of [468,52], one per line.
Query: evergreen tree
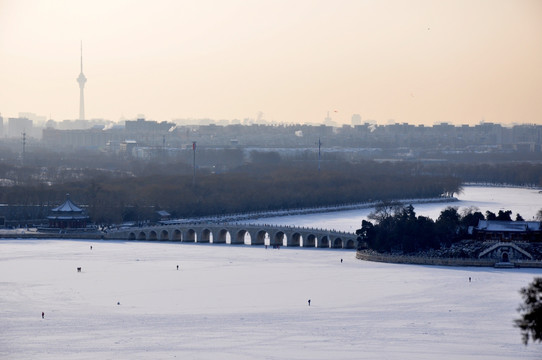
[531,312]
[504,215]
[447,225]
[490,215]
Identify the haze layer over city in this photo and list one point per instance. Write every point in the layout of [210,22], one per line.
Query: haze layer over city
[283,62]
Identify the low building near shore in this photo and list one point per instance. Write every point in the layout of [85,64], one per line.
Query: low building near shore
[508,231]
[508,240]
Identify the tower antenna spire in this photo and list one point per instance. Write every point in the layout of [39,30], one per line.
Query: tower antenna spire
[81,80]
[81,56]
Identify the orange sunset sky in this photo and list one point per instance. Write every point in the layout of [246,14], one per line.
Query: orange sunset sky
[419,62]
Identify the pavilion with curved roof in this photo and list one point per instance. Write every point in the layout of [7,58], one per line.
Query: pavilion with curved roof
[68,216]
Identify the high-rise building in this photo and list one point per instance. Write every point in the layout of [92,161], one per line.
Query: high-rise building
[81,80]
[18,126]
[327,120]
[356,119]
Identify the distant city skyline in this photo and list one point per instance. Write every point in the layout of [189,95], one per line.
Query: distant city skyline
[416,62]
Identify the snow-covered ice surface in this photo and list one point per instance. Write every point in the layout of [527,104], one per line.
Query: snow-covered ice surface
[243,302]
[526,202]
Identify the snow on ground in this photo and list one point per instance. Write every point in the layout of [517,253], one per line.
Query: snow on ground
[243,302]
[519,200]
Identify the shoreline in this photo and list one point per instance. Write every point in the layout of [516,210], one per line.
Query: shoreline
[444,261]
[303,211]
[43,235]
[512,186]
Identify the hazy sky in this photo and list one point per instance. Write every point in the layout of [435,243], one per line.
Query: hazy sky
[456,61]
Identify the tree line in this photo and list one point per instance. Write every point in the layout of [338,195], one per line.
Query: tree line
[252,187]
[510,173]
[114,188]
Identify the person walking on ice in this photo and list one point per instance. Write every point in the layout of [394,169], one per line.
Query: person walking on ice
[42,315]
[309,302]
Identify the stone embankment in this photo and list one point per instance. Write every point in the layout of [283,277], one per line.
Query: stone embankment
[50,235]
[369,255]
[421,260]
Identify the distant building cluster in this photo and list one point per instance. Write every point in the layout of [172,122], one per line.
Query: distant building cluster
[141,137]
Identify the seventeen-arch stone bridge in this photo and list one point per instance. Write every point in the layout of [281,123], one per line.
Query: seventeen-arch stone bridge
[252,234]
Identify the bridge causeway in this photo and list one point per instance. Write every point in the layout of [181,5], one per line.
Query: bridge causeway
[238,234]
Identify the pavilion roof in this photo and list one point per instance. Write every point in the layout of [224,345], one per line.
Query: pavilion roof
[68,207]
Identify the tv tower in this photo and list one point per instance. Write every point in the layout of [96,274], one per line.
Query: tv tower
[81,80]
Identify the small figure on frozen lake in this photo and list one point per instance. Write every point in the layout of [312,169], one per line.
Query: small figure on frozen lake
[90,247]
[118,302]
[42,315]
[309,302]
[469,278]
[341,261]
[78,269]
[177,267]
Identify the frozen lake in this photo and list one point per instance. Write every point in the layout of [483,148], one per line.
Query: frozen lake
[242,302]
[526,202]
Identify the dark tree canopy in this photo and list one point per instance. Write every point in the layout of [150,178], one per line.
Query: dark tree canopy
[490,215]
[469,218]
[531,312]
[396,228]
[504,215]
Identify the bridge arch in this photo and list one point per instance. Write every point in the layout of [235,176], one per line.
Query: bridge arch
[323,242]
[164,235]
[338,243]
[294,240]
[309,241]
[141,236]
[350,244]
[177,235]
[206,236]
[131,236]
[153,235]
[258,237]
[221,237]
[190,235]
[278,239]
[239,238]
